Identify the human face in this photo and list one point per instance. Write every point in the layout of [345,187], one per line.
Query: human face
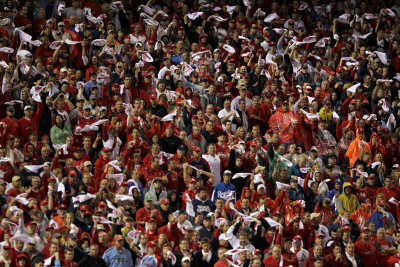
[276,253]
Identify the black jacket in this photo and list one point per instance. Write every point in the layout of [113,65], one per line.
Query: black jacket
[359,262]
[89,261]
[200,263]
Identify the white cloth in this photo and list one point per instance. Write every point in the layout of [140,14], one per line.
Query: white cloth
[223,113]
[215,167]
[352,259]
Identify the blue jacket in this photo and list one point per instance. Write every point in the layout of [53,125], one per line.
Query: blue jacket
[203,207]
[332,193]
[115,259]
[377,219]
[221,190]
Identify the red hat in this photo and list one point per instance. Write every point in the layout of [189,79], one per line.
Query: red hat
[153,96]
[256,251]
[395,166]
[118,238]
[227,37]
[267,34]
[43,202]
[295,10]
[150,42]
[232,21]
[331,73]
[319,235]
[62,206]
[231,61]
[285,103]
[381,202]
[84,207]
[50,226]
[353,101]
[102,204]
[151,220]
[192,181]
[253,143]
[371,176]
[297,237]
[151,244]
[277,213]
[360,130]
[291,22]
[124,183]
[72,172]
[346,227]
[10,136]
[339,69]
[368,203]
[7,246]
[285,83]
[52,178]
[181,28]
[106,149]
[31,222]
[164,201]
[115,85]
[364,229]
[197,149]
[272,44]
[179,90]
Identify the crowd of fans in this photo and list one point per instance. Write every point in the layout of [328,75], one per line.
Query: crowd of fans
[199,133]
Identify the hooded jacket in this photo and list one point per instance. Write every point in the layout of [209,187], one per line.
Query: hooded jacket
[153,194]
[203,206]
[291,215]
[347,202]
[354,149]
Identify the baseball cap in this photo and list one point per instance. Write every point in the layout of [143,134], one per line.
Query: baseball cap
[346,227]
[62,206]
[314,215]
[148,198]
[227,172]
[72,172]
[118,238]
[339,69]
[364,229]
[297,237]
[185,259]
[153,96]
[197,149]
[192,180]
[105,149]
[28,107]
[87,163]
[313,148]
[87,107]
[151,244]
[253,143]
[181,147]
[319,235]
[102,204]
[164,201]
[277,213]
[360,130]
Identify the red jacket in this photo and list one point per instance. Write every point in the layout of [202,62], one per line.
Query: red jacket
[272,262]
[99,167]
[144,215]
